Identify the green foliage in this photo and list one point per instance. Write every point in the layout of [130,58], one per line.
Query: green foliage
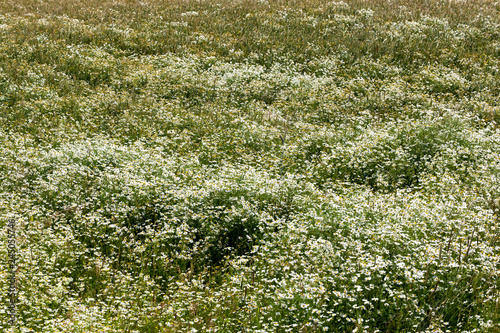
[251,166]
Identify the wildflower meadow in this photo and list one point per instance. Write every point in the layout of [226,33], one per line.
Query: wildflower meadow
[250,166]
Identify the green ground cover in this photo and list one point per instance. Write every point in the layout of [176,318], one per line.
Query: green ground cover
[251,166]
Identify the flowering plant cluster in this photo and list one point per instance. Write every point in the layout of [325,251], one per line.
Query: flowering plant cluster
[250,166]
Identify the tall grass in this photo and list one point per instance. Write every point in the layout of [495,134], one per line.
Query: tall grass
[251,166]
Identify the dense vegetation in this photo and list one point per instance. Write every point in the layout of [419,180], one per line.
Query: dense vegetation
[251,166]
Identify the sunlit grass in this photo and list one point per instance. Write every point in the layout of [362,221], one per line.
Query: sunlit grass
[251,166]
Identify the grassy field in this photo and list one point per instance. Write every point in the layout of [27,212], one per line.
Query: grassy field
[251,166]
